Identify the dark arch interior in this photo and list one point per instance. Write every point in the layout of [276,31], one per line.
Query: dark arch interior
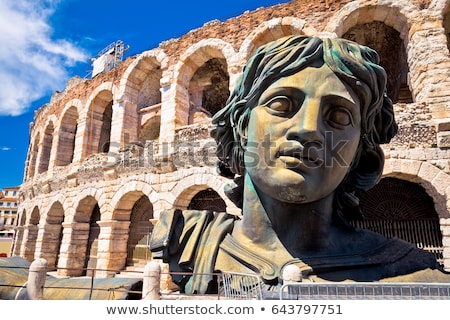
[400,209]
[207,199]
[389,46]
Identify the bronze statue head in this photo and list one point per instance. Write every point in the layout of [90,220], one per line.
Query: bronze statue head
[355,65]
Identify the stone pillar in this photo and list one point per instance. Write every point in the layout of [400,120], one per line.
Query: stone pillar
[117,126]
[80,151]
[73,248]
[151,281]
[291,274]
[128,122]
[429,73]
[53,152]
[445,229]
[169,114]
[29,242]
[112,247]
[48,244]
[17,245]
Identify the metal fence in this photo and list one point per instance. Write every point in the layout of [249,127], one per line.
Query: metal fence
[241,286]
[365,291]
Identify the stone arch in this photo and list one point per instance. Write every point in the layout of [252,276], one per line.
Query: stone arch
[189,186]
[98,119]
[30,234]
[134,189]
[150,127]
[208,90]
[397,208]
[46,147]
[32,155]
[84,209]
[435,181]
[82,236]
[23,218]
[66,136]
[19,235]
[35,216]
[195,57]
[89,192]
[148,63]
[207,199]
[141,89]
[385,29]
[136,208]
[397,16]
[51,234]
[271,30]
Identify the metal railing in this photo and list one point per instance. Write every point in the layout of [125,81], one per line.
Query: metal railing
[365,291]
[241,286]
[233,286]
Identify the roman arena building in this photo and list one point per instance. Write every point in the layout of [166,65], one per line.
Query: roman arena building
[111,151]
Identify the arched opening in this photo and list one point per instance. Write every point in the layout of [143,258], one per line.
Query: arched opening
[32,156]
[66,137]
[208,90]
[18,237]
[149,92]
[99,123]
[105,133]
[391,49]
[402,209]
[46,148]
[23,218]
[83,237]
[35,217]
[141,228]
[208,199]
[92,243]
[31,234]
[53,235]
[150,129]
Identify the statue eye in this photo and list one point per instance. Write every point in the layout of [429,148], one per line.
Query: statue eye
[339,116]
[279,105]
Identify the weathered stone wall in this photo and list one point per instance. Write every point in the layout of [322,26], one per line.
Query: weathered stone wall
[171,169]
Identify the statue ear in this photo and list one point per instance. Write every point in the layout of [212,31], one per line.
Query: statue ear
[369,167]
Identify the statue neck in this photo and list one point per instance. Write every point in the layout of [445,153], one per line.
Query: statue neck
[300,227]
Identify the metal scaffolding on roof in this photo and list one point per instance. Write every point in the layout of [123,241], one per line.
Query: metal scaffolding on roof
[109,57]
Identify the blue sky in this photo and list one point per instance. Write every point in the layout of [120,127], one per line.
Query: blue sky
[46,42]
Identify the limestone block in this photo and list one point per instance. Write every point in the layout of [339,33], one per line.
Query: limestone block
[428,172]
[446,242]
[441,182]
[411,167]
[443,139]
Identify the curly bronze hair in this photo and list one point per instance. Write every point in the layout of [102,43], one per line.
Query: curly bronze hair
[356,65]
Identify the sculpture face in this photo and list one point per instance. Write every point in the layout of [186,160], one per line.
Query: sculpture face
[303,135]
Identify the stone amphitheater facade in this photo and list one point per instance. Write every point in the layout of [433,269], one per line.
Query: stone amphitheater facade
[109,154]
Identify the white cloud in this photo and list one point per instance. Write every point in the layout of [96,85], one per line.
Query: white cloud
[32,63]
[6,148]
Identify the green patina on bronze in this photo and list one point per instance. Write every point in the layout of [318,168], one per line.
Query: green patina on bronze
[301,137]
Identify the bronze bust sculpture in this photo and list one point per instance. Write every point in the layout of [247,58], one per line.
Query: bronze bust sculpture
[301,137]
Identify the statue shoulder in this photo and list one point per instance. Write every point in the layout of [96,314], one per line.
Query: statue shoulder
[180,230]
[188,240]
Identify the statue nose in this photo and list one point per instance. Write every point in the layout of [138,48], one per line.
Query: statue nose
[306,125]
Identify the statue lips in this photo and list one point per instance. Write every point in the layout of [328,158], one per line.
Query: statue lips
[299,157]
